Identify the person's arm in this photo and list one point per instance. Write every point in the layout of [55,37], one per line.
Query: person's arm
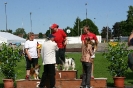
[27,53]
[82,40]
[56,47]
[130,37]
[96,41]
[42,51]
[38,52]
[91,51]
[38,49]
[64,37]
[65,41]
[26,50]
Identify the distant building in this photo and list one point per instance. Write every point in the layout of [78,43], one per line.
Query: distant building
[122,38]
[36,36]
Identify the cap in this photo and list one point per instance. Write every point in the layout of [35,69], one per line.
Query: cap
[50,36]
[54,26]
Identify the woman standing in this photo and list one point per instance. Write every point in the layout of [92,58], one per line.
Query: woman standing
[32,53]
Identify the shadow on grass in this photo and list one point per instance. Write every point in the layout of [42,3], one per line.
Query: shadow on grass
[129,78]
[129,75]
[1,85]
[110,84]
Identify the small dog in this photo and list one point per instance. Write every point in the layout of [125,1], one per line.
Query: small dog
[94,48]
[69,63]
[35,71]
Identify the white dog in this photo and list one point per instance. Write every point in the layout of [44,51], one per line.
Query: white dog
[69,63]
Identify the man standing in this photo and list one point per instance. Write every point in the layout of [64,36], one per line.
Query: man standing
[93,38]
[60,39]
[48,57]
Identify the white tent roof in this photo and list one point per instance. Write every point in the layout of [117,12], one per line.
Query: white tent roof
[10,38]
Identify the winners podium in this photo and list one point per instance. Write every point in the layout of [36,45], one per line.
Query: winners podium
[64,79]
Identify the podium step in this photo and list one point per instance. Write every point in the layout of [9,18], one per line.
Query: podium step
[66,74]
[62,83]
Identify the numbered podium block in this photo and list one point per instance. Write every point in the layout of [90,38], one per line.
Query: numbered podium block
[66,74]
[22,83]
[63,83]
[76,83]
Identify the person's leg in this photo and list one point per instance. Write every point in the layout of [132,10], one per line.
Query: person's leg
[52,75]
[62,57]
[28,67]
[34,62]
[92,69]
[57,60]
[92,57]
[88,73]
[83,83]
[44,76]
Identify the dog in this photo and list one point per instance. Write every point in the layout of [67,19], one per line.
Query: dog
[69,63]
[94,48]
[35,71]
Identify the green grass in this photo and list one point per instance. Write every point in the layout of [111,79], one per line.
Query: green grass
[100,69]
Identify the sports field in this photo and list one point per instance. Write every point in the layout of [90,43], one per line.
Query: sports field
[100,69]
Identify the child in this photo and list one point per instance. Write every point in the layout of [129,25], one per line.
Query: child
[86,62]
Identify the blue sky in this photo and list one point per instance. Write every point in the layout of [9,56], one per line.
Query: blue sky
[62,12]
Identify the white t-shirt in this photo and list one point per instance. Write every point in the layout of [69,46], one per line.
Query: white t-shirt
[48,52]
[32,48]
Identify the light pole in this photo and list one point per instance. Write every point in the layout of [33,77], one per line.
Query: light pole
[86,12]
[94,20]
[78,26]
[81,30]
[107,28]
[6,15]
[31,21]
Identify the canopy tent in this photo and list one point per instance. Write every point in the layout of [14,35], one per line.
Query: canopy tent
[10,38]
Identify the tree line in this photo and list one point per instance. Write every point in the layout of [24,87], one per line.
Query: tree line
[122,28]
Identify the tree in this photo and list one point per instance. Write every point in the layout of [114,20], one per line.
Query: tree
[80,24]
[130,19]
[104,32]
[123,28]
[71,31]
[116,29]
[77,27]
[9,30]
[48,32]
[20,32]
[40,35]
[93,27]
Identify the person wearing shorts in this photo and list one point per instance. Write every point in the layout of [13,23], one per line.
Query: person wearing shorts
[32,53]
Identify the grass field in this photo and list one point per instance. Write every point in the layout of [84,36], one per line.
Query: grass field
[100,69]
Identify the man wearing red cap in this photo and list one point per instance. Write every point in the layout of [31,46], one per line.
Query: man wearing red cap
[60,39]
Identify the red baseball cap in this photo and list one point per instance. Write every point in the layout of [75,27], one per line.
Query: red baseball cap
[54,26]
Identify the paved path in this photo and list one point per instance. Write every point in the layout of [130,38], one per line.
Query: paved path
[101,46]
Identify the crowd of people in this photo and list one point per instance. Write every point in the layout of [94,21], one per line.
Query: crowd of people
[53,54]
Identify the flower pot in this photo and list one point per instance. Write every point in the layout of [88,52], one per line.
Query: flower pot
[8,83]
[119,82]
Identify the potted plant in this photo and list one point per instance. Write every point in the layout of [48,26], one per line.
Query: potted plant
[117,56]
[9,56]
